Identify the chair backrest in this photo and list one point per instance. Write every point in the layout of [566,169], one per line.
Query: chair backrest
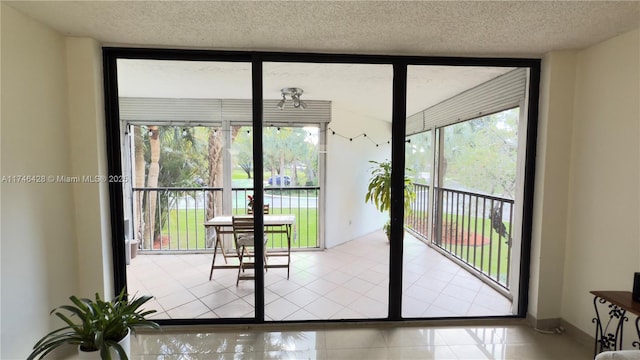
[242,230]
[265,209]
[242,224]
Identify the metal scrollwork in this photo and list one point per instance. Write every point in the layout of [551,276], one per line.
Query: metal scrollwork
[636,343]
[617,312]
[609,338]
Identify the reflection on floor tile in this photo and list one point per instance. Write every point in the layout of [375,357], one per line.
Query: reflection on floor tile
[357,342]
[345,282]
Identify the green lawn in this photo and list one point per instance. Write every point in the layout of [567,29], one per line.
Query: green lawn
[240,178]
[186,230]
[492,258]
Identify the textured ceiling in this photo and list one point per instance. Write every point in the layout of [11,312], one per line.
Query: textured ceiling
[476,28]
[448,28]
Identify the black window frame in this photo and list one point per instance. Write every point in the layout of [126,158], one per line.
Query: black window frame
[400,64]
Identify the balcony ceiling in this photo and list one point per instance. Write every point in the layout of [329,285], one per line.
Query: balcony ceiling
[496,29]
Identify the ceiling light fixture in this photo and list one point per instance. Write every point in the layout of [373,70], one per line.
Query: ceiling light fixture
[294,95]
[281,103]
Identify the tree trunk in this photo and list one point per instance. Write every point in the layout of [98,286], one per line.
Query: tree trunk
[152,181]
[281,173]
[294,175]
[311,177]
[216,147]
[216,178]
[139,183]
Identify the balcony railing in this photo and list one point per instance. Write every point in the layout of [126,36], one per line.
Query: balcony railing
[177,223]
[473,228]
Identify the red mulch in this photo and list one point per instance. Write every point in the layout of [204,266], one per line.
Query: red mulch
[463,238]
[165,242]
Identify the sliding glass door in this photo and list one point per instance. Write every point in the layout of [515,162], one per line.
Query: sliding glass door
[324,124]
[316,176]
[181,123]
[464,155]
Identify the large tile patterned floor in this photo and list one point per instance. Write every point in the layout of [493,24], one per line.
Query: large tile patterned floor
[345,282]
[516,342]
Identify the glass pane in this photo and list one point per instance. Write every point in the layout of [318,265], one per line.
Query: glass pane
[324,123]
[457,250]
[177,151]
[478,201]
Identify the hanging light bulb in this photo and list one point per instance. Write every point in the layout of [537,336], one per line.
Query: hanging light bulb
[278,130]
[185,132]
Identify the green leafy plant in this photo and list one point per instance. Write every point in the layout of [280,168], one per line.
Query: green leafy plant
[379,190]
[99,325]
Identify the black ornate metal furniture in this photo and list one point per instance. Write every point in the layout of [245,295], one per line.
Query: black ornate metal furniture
[610,326]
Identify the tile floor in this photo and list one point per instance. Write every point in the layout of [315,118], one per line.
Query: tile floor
[402,342]
[345,282]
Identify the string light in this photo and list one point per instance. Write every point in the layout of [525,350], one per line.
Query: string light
[351,138]
[185,132]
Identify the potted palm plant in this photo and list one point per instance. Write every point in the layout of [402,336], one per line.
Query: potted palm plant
[379,190]
[101,329]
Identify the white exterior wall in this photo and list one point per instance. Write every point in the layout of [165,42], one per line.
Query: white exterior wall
[348,173]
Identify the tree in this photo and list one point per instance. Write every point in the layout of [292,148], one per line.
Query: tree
[419,156]
[481,154]
[286,150]
[215,170]
[243,150]
[152,181]
[169,158]
[140,175]
[275,144]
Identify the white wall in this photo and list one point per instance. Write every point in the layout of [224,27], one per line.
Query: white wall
[89,158]
[55,236]
[603,241]
[39,256]
[587,203]
[348,173]
[555,123]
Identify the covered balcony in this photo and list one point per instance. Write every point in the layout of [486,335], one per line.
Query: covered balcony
[192,153]
[462,275]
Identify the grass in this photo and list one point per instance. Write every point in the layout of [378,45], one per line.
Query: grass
[239,177]
[185,229]
[492,259]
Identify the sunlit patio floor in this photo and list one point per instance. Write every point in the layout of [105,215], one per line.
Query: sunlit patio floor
[349,281]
